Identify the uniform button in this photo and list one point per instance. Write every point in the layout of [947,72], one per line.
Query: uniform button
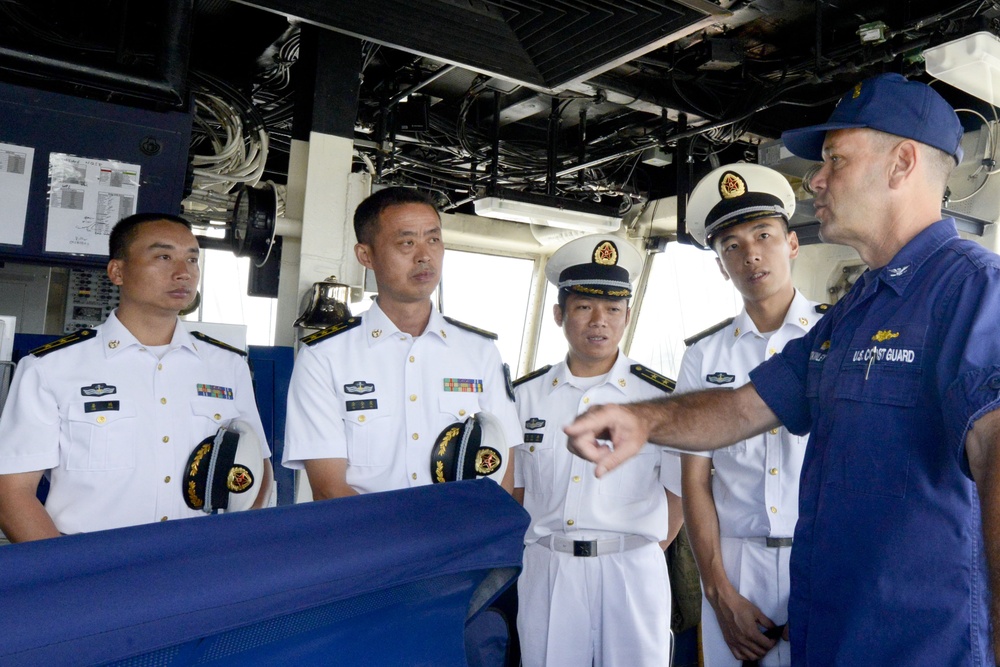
[415,436]
[166,480]
[217,416]
[531,449]
[414,475]
[586,399]
[774,431]
[163,401]
[774,471]
[995,382]
[361,418]
[413,397]
[774,510]
[163,518]
[570,522]
[576,478]
[461,413]
[412,359]
[102,419]
[159,367]
[166,438]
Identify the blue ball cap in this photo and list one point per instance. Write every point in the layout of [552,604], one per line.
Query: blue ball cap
[889,103]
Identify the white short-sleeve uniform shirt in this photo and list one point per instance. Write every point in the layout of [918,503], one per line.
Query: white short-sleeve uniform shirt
[380,397]
[113,423]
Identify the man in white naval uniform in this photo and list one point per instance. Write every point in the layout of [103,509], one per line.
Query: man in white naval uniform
[594,589]
[111,414]
[741,518]
[368,397]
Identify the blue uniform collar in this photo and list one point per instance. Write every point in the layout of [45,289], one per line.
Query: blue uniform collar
[900,270]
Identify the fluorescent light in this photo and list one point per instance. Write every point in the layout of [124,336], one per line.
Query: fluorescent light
[971,64]
[504,208]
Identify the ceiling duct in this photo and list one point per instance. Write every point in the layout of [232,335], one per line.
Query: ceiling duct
[543,44]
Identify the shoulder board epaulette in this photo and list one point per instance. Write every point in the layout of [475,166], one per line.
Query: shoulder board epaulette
[205,338]
[532,375]
[688,342]
[653,378]
[65,341]
[823,307]
[340,327]
[475,330]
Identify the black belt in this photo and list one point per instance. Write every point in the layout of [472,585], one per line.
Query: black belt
[775,542]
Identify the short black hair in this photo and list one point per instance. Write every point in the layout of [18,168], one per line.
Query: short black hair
[785,225]
[368,212]
[564,295]
[125,230]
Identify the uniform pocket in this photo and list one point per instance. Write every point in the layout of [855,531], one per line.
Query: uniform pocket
[635,479]
[102,436]
[538,460]
[459,405]
[370,441]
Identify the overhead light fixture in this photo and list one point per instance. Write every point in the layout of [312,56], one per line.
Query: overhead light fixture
[971,64]
[530,208]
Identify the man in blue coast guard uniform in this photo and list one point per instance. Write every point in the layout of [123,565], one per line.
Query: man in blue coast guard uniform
[741,502]
[110,415]
[897,545]
[594,589]
[368,397]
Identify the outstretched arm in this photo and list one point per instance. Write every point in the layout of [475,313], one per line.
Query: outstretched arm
[697,421]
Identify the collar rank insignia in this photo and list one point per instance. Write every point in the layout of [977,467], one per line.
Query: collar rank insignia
[897,271]
[359,387]
[98,389]
[534,424]
[653,378]
[719,377]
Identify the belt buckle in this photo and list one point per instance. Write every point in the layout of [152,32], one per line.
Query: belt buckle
[585,548]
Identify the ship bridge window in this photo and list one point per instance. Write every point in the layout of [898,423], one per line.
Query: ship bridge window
[224,297]
[490,292]
[686,294]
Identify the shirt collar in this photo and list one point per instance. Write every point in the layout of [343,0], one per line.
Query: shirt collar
[801,314]
[900,270]
[116,338]
[617,377]
[379,327]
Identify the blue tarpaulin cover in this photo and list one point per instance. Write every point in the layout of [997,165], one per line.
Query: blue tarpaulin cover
[380,579]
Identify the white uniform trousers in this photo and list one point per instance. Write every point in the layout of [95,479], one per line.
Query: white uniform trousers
[760,574]
[604,611]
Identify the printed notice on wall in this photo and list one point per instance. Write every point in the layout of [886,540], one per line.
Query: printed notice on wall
[86,198]
[15,177]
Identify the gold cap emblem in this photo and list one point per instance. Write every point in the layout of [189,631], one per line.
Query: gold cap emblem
[606,254]
[732,185]
[239,479]
[487,461]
